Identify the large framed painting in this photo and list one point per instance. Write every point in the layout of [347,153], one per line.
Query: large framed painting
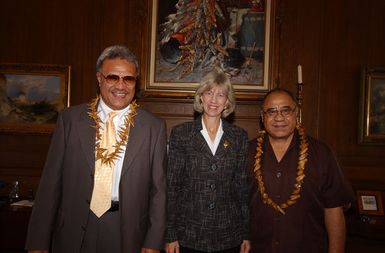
[190,38]
[31,96]
[372,106]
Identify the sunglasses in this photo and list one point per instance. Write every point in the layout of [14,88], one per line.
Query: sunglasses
[114,79]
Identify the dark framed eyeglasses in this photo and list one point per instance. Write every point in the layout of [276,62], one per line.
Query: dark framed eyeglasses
[284,111]
[114,79]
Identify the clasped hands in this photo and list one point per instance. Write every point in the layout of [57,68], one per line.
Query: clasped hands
[173,247]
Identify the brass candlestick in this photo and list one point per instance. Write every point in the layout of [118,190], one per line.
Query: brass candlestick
[299,101]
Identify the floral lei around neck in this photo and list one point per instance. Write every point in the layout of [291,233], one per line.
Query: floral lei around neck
[302,159]
[124,133]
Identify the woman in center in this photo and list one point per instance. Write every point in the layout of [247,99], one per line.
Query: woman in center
[207,176]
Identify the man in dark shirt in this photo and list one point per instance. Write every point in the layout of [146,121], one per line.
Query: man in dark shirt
[297,187]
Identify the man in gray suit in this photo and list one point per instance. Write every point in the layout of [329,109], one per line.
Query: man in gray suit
[63,219]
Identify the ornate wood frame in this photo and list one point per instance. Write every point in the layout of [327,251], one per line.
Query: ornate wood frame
[152,87]
[31,95]
[372,106]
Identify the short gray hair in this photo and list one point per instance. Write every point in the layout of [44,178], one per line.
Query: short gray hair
[216,77]
[114,52]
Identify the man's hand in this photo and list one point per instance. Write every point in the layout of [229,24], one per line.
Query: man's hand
[172,247]
[245,246]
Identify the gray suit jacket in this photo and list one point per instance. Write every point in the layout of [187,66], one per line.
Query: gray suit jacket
[62,204]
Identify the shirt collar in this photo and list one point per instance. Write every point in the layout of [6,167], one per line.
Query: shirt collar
[219,131]
[104,110]
[294,142]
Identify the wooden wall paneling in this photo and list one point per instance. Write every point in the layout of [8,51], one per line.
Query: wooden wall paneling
[309,28]
[247,116]
[288,50]
[22,158]
[342,54]
[177,111]
[173,111]
[329,75]
[85,40]
[300,44]
[136,30]
[345,49]
[375,25]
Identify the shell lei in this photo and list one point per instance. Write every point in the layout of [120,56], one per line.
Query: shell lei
[302,159]
[124,133]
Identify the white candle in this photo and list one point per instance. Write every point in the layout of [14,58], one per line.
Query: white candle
[299,73]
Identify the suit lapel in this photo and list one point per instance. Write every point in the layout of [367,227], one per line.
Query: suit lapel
[87,134]
[228,140]
[200,145]
[137,136]
[198,141]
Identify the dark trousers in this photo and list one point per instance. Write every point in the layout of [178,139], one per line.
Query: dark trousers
[102,234]
[187,250]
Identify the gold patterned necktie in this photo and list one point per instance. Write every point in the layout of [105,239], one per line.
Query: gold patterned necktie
[101,195]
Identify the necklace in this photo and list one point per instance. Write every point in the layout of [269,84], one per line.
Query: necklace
[212,130]
[302,159]
[124,133]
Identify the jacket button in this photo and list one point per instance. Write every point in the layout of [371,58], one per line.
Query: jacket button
[212,206]
[214,167]
[212,186]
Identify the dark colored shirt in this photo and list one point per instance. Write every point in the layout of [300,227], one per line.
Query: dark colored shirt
[207,194]
[302,228]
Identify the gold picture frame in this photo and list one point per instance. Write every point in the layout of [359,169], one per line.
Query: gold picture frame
[31,95]
[370,202]
[372,106]
[249,64]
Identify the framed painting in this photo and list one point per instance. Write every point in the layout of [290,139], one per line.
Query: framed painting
[190,38]
[31,95]
[370,202]
[372,106]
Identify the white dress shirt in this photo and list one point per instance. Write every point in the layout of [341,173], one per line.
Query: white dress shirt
[213,145]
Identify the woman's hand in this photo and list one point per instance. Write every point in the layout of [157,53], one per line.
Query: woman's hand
[245,246]
[172,247]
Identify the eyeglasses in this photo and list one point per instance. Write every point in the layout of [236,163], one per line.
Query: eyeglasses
[284,111]
[212,94]
[114,79]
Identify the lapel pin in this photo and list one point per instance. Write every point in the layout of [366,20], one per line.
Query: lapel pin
[226,144]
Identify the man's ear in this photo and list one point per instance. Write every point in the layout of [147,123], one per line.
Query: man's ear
[99,77]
